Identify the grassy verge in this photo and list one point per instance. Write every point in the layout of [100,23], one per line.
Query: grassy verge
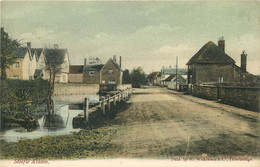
[84,144]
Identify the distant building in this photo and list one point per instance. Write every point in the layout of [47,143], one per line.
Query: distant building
[152,78]
[170,82]
[212,65]
[111,72]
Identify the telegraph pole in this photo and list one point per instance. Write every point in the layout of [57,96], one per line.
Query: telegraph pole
[176,71]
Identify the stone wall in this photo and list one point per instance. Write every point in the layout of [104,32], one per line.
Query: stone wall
[206,92]
[76,78]
[247,98]
[76,89]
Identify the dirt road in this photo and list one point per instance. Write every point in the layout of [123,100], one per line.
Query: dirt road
[163,123]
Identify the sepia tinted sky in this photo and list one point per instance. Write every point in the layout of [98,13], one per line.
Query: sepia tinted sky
[147,34]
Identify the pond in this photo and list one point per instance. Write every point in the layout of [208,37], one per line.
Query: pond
[60,123]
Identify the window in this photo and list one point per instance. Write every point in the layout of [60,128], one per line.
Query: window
[30,78]
[110,71]
[16,77]
[111,81]
[16,64]
[91,73]
[64,78]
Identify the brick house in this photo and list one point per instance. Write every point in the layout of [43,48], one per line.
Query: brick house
[212,65]
[111,72]
[92,74]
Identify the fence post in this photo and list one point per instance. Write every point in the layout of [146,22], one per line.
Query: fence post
[103,107]
[86,109]
[114,100]
[108,102]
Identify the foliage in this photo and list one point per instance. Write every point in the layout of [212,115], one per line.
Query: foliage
[126,77]
[8,46]
[137,77]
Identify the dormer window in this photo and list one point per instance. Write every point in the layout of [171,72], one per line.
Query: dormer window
[110,71]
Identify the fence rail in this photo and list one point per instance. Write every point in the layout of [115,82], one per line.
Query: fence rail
[117,98]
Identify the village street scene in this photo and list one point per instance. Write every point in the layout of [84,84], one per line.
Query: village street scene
[74,89]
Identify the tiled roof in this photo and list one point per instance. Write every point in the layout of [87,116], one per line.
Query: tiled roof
[170,77]
[153,74]
[76,69]
[93,67]
[211,54]
[20,52]
[37,52]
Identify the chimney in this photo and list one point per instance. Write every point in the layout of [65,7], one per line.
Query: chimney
[243,61]
[114,58]
[85,61]
[29,44]
[221,44]
[56,46]
[120,62]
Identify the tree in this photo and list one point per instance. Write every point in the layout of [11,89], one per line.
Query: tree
[53,62]
[126,77]
[8,46]
[137,77]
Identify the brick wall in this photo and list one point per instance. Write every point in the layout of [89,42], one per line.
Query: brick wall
[76,89]
[206,92]
[211,72]
[91,79]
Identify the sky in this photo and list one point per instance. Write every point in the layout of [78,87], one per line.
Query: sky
[146,34]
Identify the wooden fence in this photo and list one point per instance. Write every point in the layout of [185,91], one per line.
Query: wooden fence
[117,98]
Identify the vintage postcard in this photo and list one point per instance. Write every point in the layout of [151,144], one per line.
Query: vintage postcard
[129,83]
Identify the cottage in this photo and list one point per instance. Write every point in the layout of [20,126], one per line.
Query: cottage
[170,82]
[212,64]
[31,63]
[152,78]
[111,72]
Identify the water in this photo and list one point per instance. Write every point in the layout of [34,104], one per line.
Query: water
[59,124]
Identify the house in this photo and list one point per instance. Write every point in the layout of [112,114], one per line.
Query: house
[31,63]
[170,82]
[111,72]
[166,72]
[212,65]
[152,78]
[92,74]
[59,58]
[25,64]
[76,73]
